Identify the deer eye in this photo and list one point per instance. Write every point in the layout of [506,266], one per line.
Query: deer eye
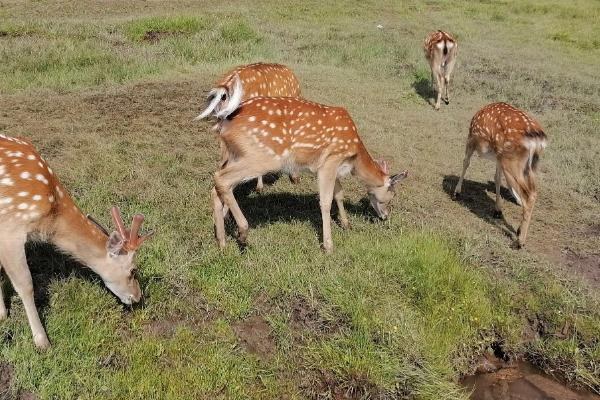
[133,271]
[224,97]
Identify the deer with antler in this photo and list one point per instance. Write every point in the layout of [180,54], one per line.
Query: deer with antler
[269,134]
[515,141]
[245,82]
[34,204]
[440,50]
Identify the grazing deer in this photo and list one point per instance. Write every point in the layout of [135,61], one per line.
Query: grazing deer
[34,204]
[440,50]
[515,141]
[246,82]
[269,134]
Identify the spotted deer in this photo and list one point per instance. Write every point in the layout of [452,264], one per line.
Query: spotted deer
[269,134]
[35,205]
[440,50]
[515,141]
[246,82]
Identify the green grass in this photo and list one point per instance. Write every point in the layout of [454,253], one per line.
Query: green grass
[401,309]
[139,29]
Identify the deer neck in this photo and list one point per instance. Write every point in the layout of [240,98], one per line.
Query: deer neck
[367,169]
[77,236]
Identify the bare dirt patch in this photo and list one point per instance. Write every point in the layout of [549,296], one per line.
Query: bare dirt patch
[307,317]
[586,264]
[6,378]
[256,337]
[156,36]
[326,385]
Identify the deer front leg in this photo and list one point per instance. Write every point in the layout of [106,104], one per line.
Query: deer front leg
[225,180]
[12,257]
[338,195]
[3,312]
[259,184]
[218,217]
[326,178]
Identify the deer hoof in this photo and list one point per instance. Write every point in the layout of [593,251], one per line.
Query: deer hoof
[328,248]
[345,225]
[497,214]
[447,101]
[41,342]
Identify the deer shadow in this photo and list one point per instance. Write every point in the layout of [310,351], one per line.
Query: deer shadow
[269,208]
[48,265]
[423,87]
[479,199]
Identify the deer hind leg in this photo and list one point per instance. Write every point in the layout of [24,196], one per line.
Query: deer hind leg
[326,177]
[466,162]
[12,257]
[525,190]
[498,181]
[439,79]
[450,61]
[338,195]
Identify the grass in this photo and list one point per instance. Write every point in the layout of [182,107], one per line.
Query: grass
[402,309]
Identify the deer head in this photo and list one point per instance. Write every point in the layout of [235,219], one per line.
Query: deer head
[380,196]
[117,269]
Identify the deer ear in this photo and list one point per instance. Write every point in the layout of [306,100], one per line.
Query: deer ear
[115,244]
[397,178]
[384,166]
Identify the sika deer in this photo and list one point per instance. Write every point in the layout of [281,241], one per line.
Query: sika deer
[34,204]
[440,50]
[515,140]
[246,82]
[268,134]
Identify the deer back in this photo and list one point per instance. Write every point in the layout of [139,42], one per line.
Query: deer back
[262,79]
[505,130]
[293,128]
[29,190]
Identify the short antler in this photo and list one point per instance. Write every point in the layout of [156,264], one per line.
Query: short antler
[131,237]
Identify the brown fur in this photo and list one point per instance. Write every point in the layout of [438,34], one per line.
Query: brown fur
[273,134]
[515,140]
[441,50]
[263,80]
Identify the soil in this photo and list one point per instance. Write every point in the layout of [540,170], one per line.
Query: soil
[6,378]
[255,336]
[518,381]
[307,318]
[587,264]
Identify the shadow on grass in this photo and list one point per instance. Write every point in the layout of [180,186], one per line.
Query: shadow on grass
[423,88]
[479,199]
[48,265]
[268,208]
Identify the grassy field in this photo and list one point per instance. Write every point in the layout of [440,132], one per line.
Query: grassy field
[401,309]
